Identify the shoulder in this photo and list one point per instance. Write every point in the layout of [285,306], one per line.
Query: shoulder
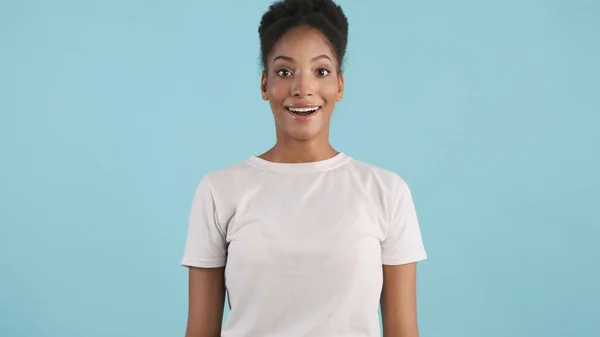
[226,173]
[223,187]
[227,177]
[385,178]
[384,187]
[387,190]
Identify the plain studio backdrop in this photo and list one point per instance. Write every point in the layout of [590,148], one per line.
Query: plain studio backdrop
[111,112]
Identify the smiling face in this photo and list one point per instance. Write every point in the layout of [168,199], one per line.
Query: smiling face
[302,84]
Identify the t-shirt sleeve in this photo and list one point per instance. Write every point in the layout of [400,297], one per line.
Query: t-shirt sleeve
[403,242]
[205,245]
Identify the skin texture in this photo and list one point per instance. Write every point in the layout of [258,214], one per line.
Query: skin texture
[399,302]
[302,70]
[206,302]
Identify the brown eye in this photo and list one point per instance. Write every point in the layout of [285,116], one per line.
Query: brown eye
[284,72]
[323,72]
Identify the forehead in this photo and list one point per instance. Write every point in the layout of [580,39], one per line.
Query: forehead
[303,43]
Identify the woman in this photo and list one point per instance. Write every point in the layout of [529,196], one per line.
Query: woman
[306,240]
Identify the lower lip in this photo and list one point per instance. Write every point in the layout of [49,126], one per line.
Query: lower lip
[301,117]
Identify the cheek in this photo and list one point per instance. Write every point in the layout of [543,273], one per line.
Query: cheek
[278,89]
[329,89]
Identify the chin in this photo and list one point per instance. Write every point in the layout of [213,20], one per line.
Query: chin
[302,135]
[301,131]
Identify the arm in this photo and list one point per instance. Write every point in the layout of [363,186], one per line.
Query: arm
[398,301]
[206,302]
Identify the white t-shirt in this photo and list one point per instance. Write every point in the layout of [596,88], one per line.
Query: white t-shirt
[303,244]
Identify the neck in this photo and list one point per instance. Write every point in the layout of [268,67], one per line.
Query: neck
[299,152]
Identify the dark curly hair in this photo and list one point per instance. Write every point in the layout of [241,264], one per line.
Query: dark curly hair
[323,15]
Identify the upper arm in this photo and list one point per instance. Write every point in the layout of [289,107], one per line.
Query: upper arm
[403,242]
[205,254]
[206,244]
[399,301]
[401,249]
[206,302]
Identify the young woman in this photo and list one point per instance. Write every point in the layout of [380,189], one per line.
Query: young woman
[307,240]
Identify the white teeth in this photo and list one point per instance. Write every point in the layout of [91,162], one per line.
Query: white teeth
[303,109]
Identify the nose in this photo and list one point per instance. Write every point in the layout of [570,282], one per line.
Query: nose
[303,85]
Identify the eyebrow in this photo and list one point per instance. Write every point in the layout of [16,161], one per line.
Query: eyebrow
[289,59]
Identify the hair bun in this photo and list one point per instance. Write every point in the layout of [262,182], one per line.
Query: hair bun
[324,15]
[302,8]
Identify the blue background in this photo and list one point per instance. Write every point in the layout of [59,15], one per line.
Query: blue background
[111,111]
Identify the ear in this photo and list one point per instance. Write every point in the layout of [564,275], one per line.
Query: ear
[340,93]
[263,86]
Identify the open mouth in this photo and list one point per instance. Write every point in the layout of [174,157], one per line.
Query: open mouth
[303,112]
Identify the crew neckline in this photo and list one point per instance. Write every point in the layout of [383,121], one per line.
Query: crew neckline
[315,166]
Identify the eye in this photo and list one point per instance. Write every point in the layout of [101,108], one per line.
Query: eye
[284,72]
[322,72]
